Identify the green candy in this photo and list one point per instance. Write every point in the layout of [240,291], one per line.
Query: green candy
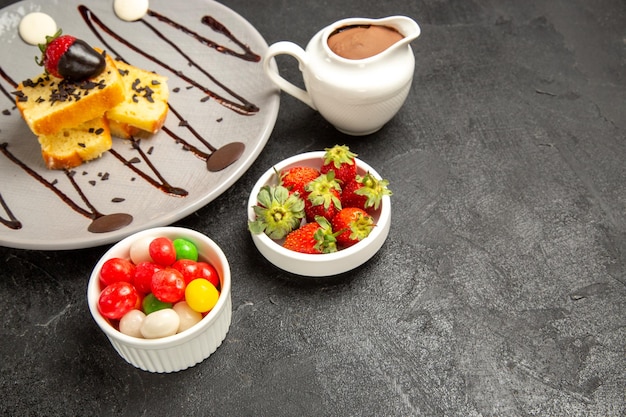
[150,304]
[185,249]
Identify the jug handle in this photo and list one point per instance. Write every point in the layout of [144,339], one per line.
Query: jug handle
[287,48]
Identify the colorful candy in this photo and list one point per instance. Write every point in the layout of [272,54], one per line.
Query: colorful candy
[188,316]
[143,276]
[162,251]
[168,285]
[185,249]
[161,323]
[131,323]
[117,269]
[208,272]
[130,10]
[160,290]
[188,268]
[139,250]
[150,304]
[201,295]
[118,299]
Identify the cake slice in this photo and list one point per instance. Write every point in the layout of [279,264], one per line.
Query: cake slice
[144,110]
[49,104]
[69,148]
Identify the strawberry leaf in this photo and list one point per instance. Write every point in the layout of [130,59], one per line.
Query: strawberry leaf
[277,212]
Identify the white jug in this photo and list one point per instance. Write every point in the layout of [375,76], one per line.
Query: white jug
[357,96]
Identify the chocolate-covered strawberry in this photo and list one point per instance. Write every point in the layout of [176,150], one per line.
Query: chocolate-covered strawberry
[65,56]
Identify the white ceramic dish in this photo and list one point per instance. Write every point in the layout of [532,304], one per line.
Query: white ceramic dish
[49,207]
[319,265]
[185,349]
[357,96]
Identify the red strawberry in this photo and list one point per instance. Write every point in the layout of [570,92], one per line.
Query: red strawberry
[323,197]
[352,225]
[64,56]
[341,160]
[313,238]
[277,212]
[326,205]
[365,192]
[294,179]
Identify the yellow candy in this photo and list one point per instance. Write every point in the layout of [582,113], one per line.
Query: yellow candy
[201,295]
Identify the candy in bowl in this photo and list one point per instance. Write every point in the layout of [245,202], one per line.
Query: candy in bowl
[160,322]
[318,264]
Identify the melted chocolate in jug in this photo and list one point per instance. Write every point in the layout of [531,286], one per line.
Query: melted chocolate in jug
[362,41]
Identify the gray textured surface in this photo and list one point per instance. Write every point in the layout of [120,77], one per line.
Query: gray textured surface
[501,288]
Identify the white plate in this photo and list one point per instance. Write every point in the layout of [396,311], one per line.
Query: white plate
[48,219]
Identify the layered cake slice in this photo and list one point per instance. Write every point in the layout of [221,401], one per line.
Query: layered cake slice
[144,110]
[49,104]
[69,148]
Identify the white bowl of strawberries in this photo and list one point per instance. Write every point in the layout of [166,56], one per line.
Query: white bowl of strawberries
[320,214]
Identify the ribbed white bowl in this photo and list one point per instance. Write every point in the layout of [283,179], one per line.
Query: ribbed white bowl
[182,350]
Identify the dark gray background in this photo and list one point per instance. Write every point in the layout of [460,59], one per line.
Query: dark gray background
[499,292]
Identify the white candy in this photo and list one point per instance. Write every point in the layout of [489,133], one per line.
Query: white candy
[139,250]
[131,323]
[34,27]
[161,323]
[188,317]
[130,10]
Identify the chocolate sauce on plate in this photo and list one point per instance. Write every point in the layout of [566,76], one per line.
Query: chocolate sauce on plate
[216,159]
[161,183]
[225,156]
[12,222]
[110,222]
[244,107]
[104,222]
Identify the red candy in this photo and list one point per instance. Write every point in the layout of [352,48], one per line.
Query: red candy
[118,299]
[116,270]
[162,251]
[208,272]
[143,276]
[188,268]
[168,285]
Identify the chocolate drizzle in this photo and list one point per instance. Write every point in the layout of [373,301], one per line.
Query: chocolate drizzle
[8,80]
[12,222]
[247,54]
[244,107]
[121,219]
[162,184]
[216,159]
